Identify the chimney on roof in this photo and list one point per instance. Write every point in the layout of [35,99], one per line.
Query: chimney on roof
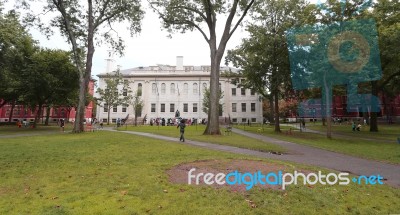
[110,61]
[179,63]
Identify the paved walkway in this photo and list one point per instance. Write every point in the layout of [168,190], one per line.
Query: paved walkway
[302,154]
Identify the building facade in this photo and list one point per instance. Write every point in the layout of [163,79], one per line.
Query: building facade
[18,112]
[168,89]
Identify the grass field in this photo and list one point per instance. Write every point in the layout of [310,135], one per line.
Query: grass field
[351,144]
[11,130]
[115,173]
[385,133]
[196,133]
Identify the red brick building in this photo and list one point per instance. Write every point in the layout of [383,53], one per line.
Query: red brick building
[389,109]
[21,112]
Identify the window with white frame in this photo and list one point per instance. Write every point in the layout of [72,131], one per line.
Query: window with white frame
[140,89]
[253,107]
[124,107]
[172,89]
[154,88]
[163,88]
[234,107]
[195,89]
[194,107]
[185,88]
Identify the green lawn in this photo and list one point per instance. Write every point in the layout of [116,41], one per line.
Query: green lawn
[352,145]
[116,173]
[52,127]
[386,132]
[196,133]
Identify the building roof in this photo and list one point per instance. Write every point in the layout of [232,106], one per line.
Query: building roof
[161,70]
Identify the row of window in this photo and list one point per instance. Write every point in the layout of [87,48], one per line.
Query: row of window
[175,88]
[244,107]
[125,91]
[185,107]
[234,120]
[244,120]
[115,108]
[172,107]
[243,92]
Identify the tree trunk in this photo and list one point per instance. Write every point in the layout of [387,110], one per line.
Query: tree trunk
[108,116]
[85,77]
[80,110]
[37,116]
[213,113]
[68,114]
[272,107]
[11,111]
[328,105]
[276,98]
[329,127]
[374,115]
[46,122]
[135,120]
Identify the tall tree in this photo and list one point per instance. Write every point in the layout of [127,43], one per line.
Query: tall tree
[181,15]
[50,77]
[263,57]
[116,93]
[16,48]
[387,16]
[137,104]
[84,24]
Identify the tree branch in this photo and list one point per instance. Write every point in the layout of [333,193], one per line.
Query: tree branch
[193,10]
[177,22]
[60,7]
[107,18]
[241,18]
[226,34]
[388,79]
[101,15]
[208,9]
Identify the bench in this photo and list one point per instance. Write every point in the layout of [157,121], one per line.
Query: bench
[228,130]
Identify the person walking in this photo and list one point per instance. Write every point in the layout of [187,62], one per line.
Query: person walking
[182,126]
[62,125]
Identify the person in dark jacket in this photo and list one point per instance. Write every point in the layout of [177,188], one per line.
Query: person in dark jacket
[182,126]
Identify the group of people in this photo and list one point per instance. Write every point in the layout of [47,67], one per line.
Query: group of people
[354,127]
[174,121]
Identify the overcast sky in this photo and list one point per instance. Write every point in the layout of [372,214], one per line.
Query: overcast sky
[150,47]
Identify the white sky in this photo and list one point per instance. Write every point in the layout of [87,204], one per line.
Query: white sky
[151,46]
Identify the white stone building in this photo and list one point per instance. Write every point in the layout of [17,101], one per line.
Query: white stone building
[166,89]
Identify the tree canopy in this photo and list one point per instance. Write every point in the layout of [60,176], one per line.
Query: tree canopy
[86,24]
[182,16]
[263,57]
